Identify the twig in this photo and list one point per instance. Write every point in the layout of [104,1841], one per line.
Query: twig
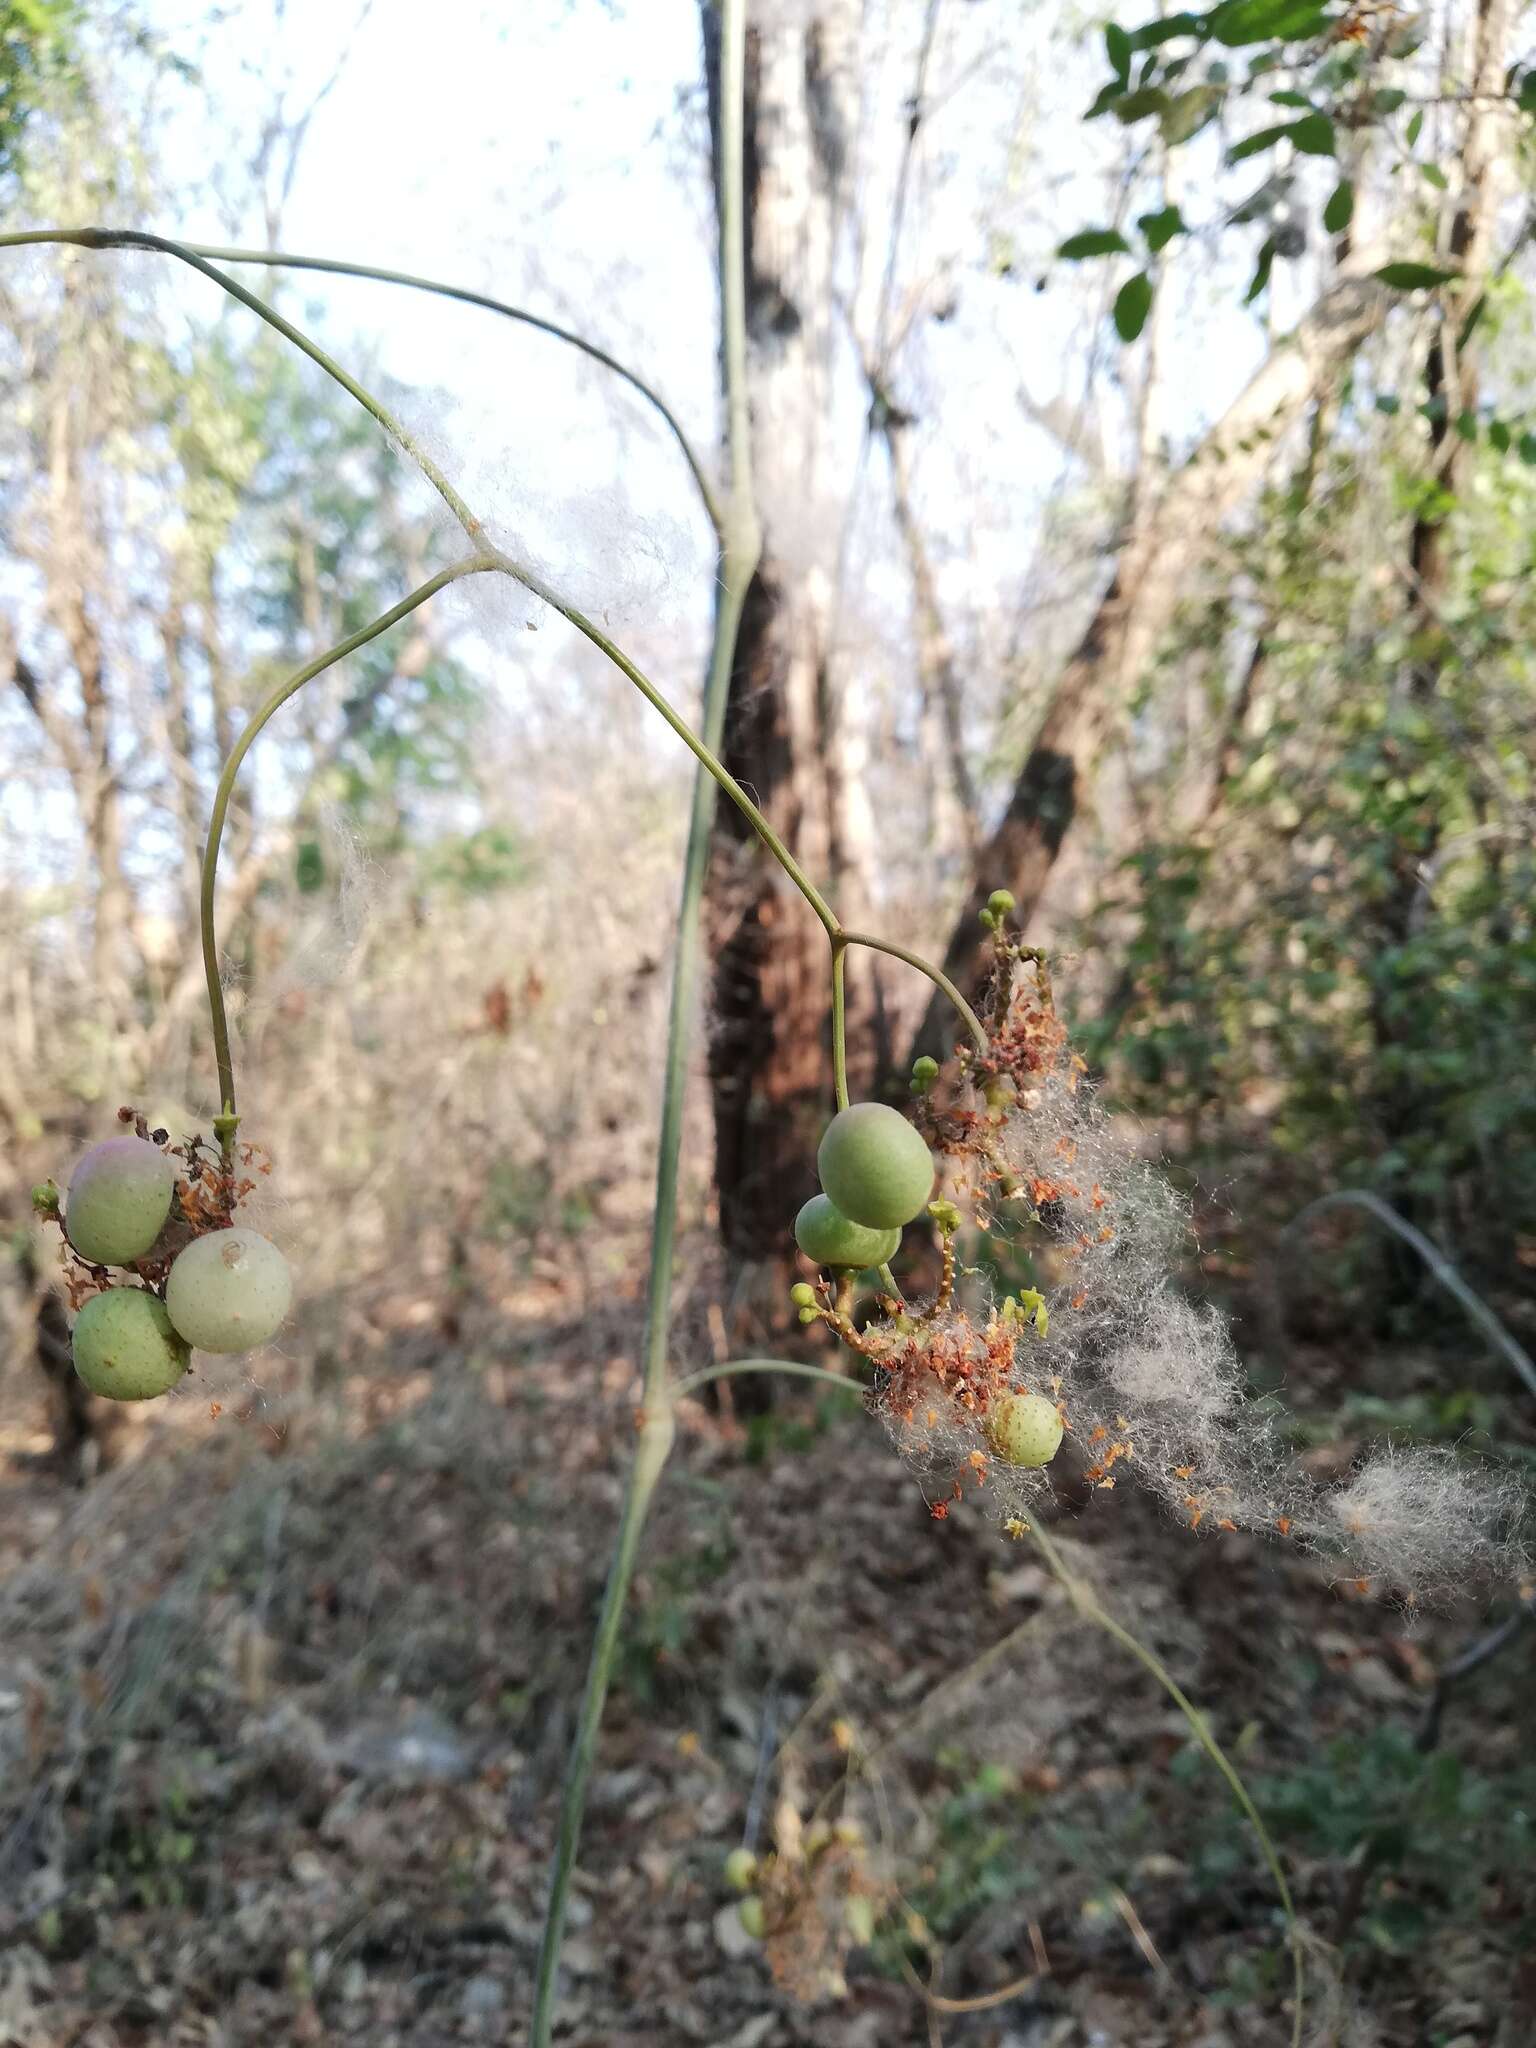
[1483,1651]
[1440,1270]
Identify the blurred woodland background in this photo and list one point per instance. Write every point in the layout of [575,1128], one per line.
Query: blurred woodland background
[1146,452]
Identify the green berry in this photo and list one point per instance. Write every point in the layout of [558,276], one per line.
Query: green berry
[740,1870]
[1025,1429]
[119,1197]
[45,1198]
[229,1291]
[125,1348]
[925,1072]
[1001,903]
[752,1917]
[827,1236]
[875,1166]
[803,1295]
[810,1315]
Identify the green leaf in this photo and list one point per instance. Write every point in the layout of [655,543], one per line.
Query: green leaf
[1525,448]
[1466,424]
[1388,404]
[1312,135]
[1161,227]
[1499,436]
[1291,99]
[1133,303]
[1527,94]
[1266,138]
[1237,22]
[1151,33]
[1188,113]
[1117,47]
[1340,210]
[1262,268]
[1413,277]
[1094,242]
[1415,128]
[1387,99]
[1132,106]
[1433,175]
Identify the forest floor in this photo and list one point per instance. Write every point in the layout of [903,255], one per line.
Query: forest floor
[284,1703]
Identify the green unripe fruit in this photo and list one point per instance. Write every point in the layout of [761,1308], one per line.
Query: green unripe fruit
[1025,1429]
[125,1347]
[810,1315]
[803,1295]
[119,1197]
[45,1198]
[875,1166]
[752,1917]
[229,1291]
[926,1068]
[1001,902]
[859,1913]
[740,1869]
[829,1238]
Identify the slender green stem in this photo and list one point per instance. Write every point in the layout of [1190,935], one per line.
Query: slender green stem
[740,549]
[337,267]
[226,786]
[840,1022]
[656,1434]
[695,1380]
[184,252]
[1087,1604]
[936,975]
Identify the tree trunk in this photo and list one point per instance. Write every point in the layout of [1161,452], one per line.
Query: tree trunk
[1162,550]
[770,1073]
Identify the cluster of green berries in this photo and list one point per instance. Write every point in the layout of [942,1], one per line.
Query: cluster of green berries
[999,907]
[877,1175]
[200,1281]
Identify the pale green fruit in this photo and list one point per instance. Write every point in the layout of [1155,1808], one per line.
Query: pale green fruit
[830,1238]
[119,1197]
[1025,1429]
[752,1917]
[229,1291]
[740,1870]
[859,1913]
[875,1166]
[125,1347]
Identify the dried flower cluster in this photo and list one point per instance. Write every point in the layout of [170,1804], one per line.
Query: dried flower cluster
[1146,1383]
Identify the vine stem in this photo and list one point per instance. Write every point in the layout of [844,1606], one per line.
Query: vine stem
[740,552]
[936,975]
[336,266]
[1086,1602]
[264,712]
[695,1380]
[184,252]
